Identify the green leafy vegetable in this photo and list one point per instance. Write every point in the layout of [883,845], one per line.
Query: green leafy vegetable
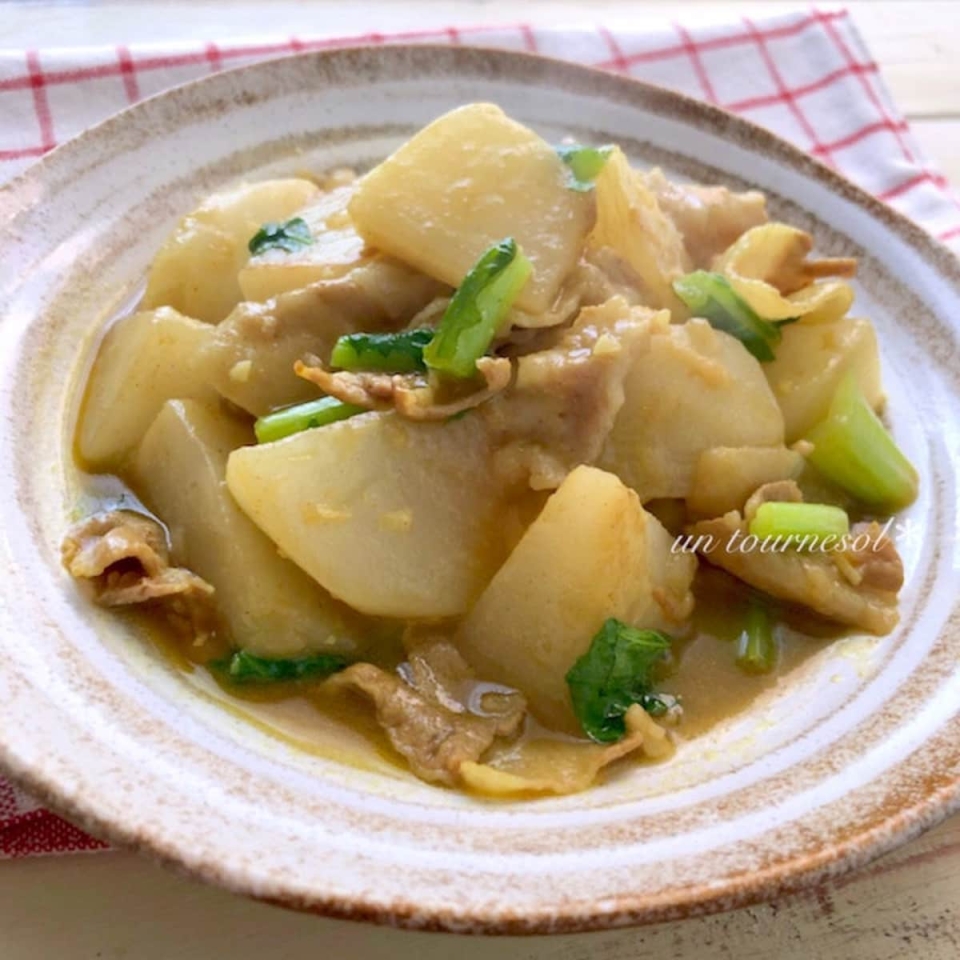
[614,674]
[806,523]
[584,163]
[757,650]
[659,704]
[477,309]
[245,668]
[383,352]
[710,295]
[291,236]
[854,450]
[303,416]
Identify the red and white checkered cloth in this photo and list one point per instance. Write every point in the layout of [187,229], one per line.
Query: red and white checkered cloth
[808,76]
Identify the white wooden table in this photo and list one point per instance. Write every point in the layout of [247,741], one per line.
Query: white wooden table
[112,906]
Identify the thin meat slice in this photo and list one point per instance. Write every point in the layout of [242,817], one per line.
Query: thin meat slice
[433,400]
[432,710]
[565,398]
[551,766]
[254,350]
[708,218]
[124,559]
[415,396]
[857,585]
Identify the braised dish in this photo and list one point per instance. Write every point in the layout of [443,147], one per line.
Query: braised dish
[517,459]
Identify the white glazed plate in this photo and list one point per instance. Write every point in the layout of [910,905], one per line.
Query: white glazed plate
[856,752]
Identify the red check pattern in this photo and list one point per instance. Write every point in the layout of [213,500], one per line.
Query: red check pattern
[27,830]
[807,76]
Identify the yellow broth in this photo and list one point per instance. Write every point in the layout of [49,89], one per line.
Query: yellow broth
[301,541]
[702,671]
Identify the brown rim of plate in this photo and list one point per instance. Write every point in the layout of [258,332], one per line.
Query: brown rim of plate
[939,795]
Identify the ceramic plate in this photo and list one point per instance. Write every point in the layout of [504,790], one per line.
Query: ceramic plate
[858,751]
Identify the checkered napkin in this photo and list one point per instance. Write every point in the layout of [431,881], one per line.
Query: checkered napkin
[808,76]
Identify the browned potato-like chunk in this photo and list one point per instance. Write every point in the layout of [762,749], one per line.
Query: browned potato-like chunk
[725,477]
[694,389]
[336,249]
[466,182]
[631,222]
[267,605]
[811,361]
[196,269]
[145,360]
[593,553]
[395,517]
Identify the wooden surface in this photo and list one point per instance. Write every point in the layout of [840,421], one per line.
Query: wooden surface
[117,907]
[113,906]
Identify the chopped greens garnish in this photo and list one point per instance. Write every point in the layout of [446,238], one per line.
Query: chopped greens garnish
[710,295]
[245,668]
[291,236]
[800,524]
[854,449]
[614,674]
[584,164]
[303,416]
[757,648]
[382,352]
[477,309]
[660,704]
